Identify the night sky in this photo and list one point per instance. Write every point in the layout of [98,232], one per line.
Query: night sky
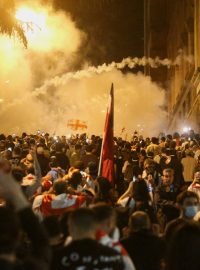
[114,28]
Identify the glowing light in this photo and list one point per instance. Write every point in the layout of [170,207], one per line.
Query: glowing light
[186,129]
[27,15]
[1,100]
[44,28]
[34,23]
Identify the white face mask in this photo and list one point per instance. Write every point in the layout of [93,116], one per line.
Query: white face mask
[191,211]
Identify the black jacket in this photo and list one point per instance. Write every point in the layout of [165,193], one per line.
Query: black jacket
[89,255]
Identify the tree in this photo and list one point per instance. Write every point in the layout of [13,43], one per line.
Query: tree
[9,25]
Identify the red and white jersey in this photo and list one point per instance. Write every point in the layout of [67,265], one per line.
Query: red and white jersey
[106,240]
[51,204]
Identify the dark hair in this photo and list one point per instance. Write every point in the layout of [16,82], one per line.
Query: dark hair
[79,165]
[52,225]
[163,139]
[186,194]
[154,140]
[140,191]
[18,173]
[75,179]
[139,221]
[104,189]
[30,169]
[103,211]
[93,168]
[53,162]
[82,220]
[88,148]
[60,186]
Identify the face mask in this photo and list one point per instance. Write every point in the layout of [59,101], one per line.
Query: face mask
[191,211]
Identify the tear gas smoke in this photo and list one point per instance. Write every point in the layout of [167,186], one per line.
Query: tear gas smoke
[74,95]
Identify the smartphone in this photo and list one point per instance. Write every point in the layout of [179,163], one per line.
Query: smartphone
[134,178]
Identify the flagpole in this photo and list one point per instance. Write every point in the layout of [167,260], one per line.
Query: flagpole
[100,160]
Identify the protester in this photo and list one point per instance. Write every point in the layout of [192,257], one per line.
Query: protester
[145,249]
[188,204]
[148,178]
[14,220]
[107,232]
[84,252]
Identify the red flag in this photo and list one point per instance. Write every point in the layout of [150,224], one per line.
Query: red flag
[106,165]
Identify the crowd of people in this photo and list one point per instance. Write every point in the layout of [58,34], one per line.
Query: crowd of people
[58,212]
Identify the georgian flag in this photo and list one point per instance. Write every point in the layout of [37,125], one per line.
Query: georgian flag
[51,204]
[106,164]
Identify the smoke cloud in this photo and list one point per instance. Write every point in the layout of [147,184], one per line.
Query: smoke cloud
[37,91]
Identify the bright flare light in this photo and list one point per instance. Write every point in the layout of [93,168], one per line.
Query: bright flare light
[46,30]
[35,25]
[186,129]
[28,15]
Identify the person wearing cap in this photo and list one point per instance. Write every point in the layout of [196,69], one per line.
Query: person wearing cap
[189,164]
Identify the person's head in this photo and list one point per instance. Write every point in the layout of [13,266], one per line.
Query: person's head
[168,177]
[16,151]
[162,139]
[148,163]
[197,176]
[104,189]
[154,140]
[79,165]
[189,204]
[140,191]
[40,150]
[169,137]
[183,249]
[176,135]
[92,168]
[2,145]
[139,221]
[189,152]
[18,173]
[105,216]
[82,224]
[59,186]
[53,162]
[75,179]
[88,148]
[59,147]
[52,227]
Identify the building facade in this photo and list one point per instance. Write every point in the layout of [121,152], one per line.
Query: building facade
[178,38]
